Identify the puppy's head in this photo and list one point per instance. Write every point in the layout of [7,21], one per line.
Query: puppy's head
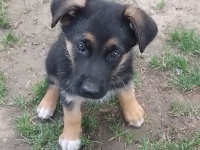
[99,36]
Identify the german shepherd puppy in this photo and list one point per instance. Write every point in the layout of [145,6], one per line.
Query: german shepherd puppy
[92,59]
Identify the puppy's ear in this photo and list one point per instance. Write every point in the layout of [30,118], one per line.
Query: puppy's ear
[143,26]
[65,10]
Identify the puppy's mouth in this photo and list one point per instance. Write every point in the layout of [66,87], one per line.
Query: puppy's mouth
[95,96]
[92,96]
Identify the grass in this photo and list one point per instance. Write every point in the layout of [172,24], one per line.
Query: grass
[161,5]
[187,81]
[180,109]
[130,137]
[3,89]
[20,101]
[183,75]
[114,102]
[190,143]
[117,130]
[40,135]
[89,123]
[92,108]
[170,62]
[183,72]
[119,133]
[186,40]
[86,142]
[184,69]
[39,91]
[4,21]
[11,39]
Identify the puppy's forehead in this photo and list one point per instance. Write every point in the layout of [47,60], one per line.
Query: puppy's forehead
[102,19]
[107,43]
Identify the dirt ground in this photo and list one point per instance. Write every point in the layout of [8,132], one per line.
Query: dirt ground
[32,20]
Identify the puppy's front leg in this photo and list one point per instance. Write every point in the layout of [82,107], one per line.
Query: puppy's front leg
[133,112]
[47,106]
[70,137]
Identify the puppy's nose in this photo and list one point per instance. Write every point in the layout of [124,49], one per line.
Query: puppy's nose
[90,88]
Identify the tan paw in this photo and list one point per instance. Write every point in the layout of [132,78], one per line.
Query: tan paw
[134,115]
[47,106]
[46,109]
[67,144]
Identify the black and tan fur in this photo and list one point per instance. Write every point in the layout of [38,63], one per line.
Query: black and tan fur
[92,59]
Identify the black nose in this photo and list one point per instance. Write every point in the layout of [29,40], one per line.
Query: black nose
[91,88]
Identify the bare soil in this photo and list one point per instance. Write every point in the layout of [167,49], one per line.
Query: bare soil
[24,66]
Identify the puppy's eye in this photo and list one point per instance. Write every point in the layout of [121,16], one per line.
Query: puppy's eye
[114,55]
[81,47]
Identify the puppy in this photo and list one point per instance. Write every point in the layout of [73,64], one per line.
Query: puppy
[92,59]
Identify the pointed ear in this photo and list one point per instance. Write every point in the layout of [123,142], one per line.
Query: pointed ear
[65,10]
[144,26]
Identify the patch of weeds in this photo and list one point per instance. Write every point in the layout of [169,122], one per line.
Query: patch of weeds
[153,144]
[20,101]
[10,39]
[119,133]
[186,40]
[39,90]
[137,80]
[117,130]
[113,102]
[3,89]
[161,5]
[183,75]
[92,108]
[187,81]
[86,142]
[191,143]
[155,62]
[42,135]
[180,109]
[129,137]
[169,62]
[4,21]
[89,123]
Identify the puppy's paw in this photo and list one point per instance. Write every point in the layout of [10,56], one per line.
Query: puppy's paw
[46,109]
[47,106]
[69,144]
[44,112]
[134,115]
